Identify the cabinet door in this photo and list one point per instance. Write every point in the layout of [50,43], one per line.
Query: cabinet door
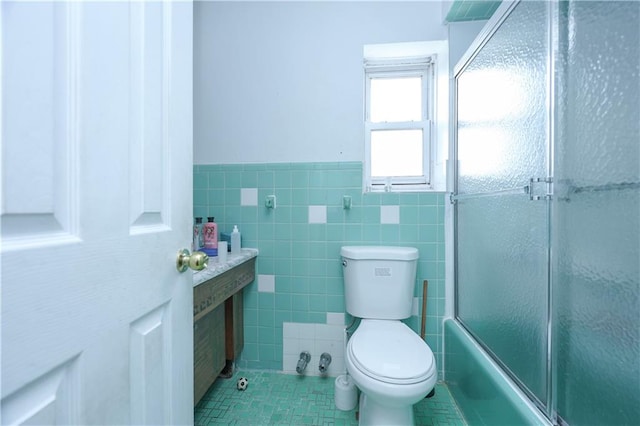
[209,350]
[234,328]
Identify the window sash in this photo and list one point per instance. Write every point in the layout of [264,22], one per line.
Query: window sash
[426,88]
[399,183]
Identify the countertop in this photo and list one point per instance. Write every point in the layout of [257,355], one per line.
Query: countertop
[216,268]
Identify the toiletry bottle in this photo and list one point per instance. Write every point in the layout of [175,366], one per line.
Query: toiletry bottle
[197,235]
[211,237]
[235,240]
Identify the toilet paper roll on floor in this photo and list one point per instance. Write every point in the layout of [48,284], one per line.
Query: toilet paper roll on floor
[346,393]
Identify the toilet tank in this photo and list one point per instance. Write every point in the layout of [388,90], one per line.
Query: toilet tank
[379,280]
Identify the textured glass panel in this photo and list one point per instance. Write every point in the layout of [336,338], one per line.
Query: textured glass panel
[396,153]
[502,261]
[597,216]
[502,275]
[502,105]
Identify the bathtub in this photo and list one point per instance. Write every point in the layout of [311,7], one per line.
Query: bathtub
[484,394]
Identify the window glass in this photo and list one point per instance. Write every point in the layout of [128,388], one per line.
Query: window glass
[396,99]
[396,153]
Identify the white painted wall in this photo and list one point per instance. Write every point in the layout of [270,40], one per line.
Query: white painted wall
[461,35]
[283,81]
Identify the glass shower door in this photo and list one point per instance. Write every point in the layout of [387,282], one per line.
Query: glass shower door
[547,205]
[502,213]
[596,220]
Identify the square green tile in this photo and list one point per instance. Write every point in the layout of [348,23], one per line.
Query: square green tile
[249,179]
[283,302]
[200,197]
[266,179]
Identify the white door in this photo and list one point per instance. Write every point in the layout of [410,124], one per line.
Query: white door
[96,202]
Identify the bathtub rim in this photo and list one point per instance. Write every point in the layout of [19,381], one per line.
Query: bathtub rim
[512,392]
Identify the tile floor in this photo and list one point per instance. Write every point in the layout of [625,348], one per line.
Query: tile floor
[282,399]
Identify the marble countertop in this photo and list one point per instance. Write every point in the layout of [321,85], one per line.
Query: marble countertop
[216,268]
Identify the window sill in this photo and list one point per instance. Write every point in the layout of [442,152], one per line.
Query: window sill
[380,189]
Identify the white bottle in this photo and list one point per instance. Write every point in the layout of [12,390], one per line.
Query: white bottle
[235,240]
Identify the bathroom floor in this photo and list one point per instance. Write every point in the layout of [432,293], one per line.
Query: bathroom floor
[282,399]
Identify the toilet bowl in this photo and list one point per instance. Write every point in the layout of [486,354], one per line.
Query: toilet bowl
[392,367]
[390,364]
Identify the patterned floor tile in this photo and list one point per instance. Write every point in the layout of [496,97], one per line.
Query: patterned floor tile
[282,399]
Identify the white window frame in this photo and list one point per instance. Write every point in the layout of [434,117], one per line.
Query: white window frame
[425,72]
[429,60]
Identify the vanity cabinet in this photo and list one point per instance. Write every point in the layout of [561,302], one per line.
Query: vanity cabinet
[209,357]
[218,323]
[234,333]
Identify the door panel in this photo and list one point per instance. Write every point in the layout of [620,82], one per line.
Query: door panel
[149,354]
[50,399]
[597,217]
[42,114]
[502,105]
[503,268]
[96,202]
[148,133]
[502,233]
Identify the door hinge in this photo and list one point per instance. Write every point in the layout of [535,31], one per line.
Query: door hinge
[539,192]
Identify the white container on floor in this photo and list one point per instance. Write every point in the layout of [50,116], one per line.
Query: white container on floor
[346,393]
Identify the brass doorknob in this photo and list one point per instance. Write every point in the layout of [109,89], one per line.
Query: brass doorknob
[196,260]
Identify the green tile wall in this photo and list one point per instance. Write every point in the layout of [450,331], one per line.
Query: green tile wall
[304,257]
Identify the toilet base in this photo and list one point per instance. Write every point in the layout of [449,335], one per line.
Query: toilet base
[372,413]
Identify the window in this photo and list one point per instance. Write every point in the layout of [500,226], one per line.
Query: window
[399,117]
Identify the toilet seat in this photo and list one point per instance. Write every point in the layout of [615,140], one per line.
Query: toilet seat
[390,352]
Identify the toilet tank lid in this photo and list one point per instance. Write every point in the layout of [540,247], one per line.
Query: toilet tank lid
[379,252]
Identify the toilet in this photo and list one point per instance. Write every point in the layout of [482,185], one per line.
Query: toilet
[390,364]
